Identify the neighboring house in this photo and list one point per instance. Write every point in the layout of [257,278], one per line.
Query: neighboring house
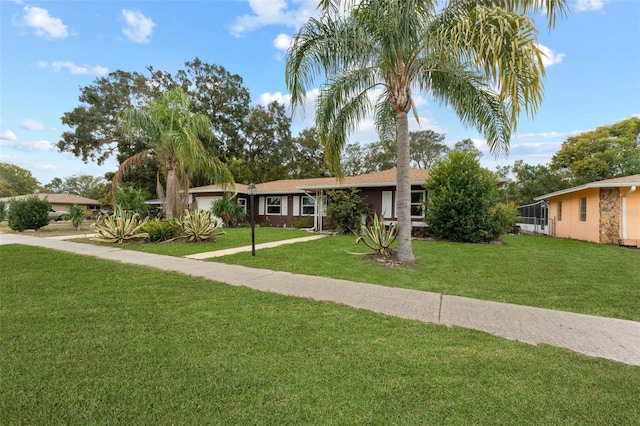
[64,202]
[285,202]
[606,211]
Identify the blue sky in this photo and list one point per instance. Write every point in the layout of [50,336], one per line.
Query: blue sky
[49,49]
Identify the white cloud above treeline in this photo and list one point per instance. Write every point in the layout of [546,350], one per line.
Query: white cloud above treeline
[43,24]
[74,69]
[138,28]
[274,12]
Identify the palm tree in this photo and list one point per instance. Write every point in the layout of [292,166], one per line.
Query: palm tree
[480,57]
[172,134]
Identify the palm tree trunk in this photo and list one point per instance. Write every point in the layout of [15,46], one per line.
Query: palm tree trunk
[403,191]
[170,201]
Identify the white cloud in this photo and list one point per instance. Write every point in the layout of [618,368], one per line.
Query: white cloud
[74,69]
[550,57]
[282,42]
[138,27]
[25,145]
[8,135]
[43,24]
[587,5]
[549,135]
[271,12]
[31,124]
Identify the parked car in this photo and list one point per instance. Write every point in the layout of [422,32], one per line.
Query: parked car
[57,214]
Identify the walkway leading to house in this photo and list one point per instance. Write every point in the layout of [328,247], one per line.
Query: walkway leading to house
[219,253]
[614,339]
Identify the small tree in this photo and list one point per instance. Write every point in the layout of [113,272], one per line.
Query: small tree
[77,216]
[230,212]
[463,202]
[345,210]
[132,199]
[30,213]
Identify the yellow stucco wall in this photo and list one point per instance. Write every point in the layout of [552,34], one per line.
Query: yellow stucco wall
[571,226]
[632,213]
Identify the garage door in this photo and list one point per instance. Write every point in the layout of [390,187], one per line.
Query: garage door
[204,203]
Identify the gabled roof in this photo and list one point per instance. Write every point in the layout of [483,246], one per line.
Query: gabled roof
[294,186]
[57,199]
[633,180]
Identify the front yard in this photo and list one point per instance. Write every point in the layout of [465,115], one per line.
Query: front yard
[88,341]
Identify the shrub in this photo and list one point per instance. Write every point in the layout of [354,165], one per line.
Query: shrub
[503,220]
[77,215]
[30,213]
[3,211]
[198,226]
[378,236]
[132,199]
[303,222]
[120,226]
[161,230]
[463,199]
[345,210]
[230,212]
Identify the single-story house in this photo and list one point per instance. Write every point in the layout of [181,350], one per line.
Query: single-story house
[607,211]
[285,202]
[64,202]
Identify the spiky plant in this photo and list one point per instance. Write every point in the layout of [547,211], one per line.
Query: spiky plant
[118,227]
[378,236]
[200,225]
[162,230]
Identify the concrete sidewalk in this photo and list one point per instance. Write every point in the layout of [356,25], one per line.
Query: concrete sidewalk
[601,337]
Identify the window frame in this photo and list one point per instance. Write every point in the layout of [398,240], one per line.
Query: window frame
[559,210]
[311,206]
[421,203]
[583,209]
[269,204]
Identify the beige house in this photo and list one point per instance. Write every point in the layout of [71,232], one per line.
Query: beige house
[606,211]
[64,202]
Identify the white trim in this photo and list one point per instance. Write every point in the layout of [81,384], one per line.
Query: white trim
[284,209]
[387,204]
[261,204]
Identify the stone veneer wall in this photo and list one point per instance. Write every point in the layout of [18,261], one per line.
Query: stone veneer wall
[609,215]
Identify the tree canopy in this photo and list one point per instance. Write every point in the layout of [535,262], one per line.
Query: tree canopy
[604,153]
[15,180]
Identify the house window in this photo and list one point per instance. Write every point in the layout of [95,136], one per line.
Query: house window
[308,206]
[417,203]
[273,205]
[243,202]
[559,210]
[583,209]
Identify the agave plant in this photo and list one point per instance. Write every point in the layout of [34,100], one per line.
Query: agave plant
[378,236]
[120,226]
[200,225]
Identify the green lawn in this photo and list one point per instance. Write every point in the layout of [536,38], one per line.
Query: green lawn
[87,341]
[536,271]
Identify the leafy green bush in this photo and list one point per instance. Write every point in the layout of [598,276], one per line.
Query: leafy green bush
[463,199]
[77,215]
[30,213]
[230,212]
[503,220]
[161,230]
[303,222]
[198,226]
[378,236]
[345,210]
[3,211]
[132,199]
[120,226]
